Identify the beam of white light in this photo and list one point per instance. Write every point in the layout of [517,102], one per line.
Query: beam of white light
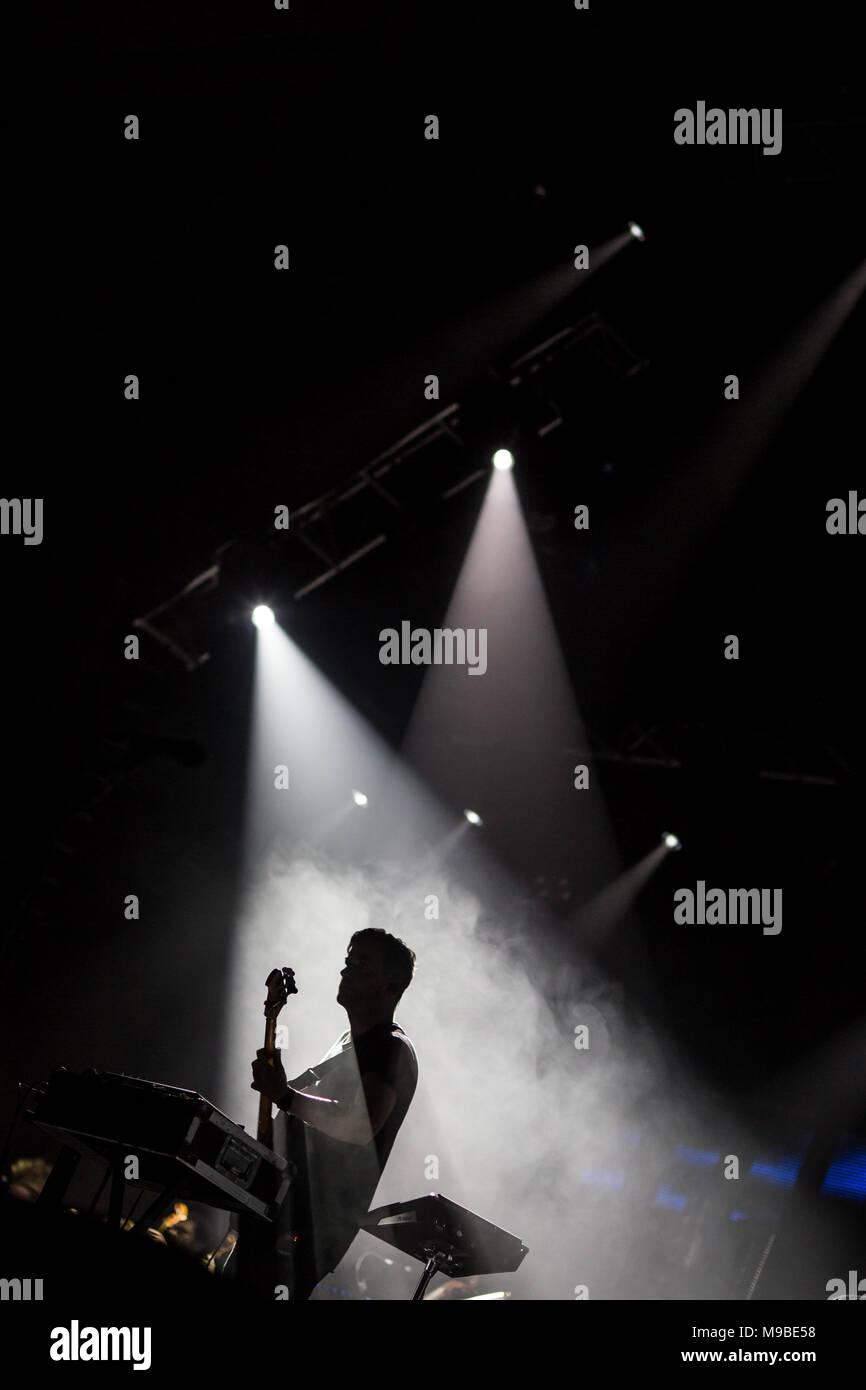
[491,327]
[439,852]
[758,418]
[718,461]
[303,894]
[500,739]
[601,914]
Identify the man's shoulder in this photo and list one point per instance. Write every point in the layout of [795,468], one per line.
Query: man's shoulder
[389,1045]
[403,1051]
[403,1040]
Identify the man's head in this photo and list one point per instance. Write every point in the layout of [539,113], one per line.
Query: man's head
[379,967]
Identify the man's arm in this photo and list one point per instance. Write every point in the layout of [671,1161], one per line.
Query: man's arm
[300,1083]
[354,1122]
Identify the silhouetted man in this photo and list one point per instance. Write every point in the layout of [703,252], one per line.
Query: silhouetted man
[342,1116]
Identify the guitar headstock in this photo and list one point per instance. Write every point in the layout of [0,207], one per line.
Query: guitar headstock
[279,984]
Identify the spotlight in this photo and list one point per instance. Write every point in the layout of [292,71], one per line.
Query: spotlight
[671,841]
[473,818]
[503,458]
[359,798]
[636,231]
[263,616]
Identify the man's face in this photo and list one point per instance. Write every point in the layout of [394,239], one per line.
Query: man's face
[363,979]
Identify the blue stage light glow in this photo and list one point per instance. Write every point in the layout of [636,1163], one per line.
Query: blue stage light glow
[698,1158]
[782,1172]
[673,1201]
[846,1176]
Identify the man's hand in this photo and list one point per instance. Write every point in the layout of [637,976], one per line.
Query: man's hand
[269,1076]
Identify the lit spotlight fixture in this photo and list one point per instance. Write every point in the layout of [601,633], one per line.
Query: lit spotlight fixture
[671,841]
[636,231]
[359,798]
[503,458]
[263,616]
[473,818]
